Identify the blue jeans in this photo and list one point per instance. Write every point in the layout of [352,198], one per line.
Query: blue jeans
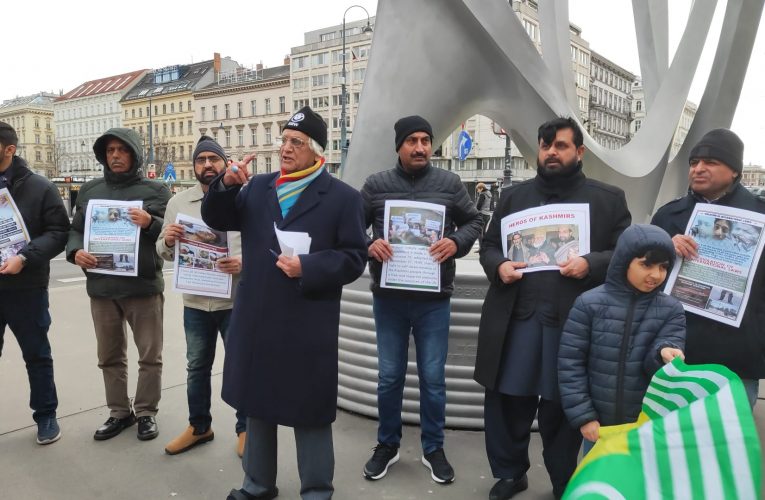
[428,322]
[202,329]
[25,312]
[752,387]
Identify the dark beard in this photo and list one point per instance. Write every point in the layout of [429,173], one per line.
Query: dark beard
[202,180]
[565,171]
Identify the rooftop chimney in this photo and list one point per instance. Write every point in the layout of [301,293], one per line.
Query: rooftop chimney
[216,62]
[259,66]
[287,60]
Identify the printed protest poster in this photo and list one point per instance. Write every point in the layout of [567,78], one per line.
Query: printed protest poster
[111,237]
[13,232]
[411,227]
[716,284]
[547,236]
[196,255]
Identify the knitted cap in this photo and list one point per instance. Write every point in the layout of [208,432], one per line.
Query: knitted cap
[208,144]
[409,125]
[310,123]
[723,145]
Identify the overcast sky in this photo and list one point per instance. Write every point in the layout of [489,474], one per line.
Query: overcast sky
[58,45]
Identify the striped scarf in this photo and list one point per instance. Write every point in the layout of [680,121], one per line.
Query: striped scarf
[289,186]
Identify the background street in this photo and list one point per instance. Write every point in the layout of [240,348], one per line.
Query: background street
[77,467]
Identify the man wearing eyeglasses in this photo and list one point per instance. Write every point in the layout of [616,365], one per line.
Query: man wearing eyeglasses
[281,350]
[424,315]
[203,316]
[116,300]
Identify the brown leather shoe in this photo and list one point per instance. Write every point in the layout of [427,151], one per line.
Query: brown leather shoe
[188,440]
[242,437]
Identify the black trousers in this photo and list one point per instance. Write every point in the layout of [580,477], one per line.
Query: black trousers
[507,421]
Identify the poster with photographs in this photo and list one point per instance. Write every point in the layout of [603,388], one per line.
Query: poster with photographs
[545,237]
[410,228]
[111,237]
[13,232]
[716,284]
[196,255]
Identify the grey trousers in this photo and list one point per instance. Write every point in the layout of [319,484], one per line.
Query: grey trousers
[144,315]
[315,457]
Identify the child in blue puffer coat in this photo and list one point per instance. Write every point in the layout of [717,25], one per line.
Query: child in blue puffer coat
[618,334]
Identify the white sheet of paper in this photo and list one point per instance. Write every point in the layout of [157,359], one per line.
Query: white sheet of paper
[293,242]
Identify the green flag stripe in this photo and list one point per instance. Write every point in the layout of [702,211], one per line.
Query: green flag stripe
[686,390]
[720,445]
[709,467]
[655,407]
[692,453]
[714,376]
[666,479]
[668,400]
[650,466]
[742,473]
[678,463]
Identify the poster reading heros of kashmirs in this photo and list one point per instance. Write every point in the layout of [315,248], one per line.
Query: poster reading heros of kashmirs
[410,228]
[716,284]
[111,237]
[547,236]
[196,256]
[13,232]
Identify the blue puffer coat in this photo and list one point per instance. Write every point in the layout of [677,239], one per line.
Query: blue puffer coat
[610,345]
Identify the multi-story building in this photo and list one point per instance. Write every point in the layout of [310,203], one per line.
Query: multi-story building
[82,115]
[639,112]
[160,108]
[753,176]
[316,76]
[32,117]
[610,111]
[486,161]
[244,110]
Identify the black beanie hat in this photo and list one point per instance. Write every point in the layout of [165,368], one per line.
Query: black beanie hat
[310,123]
[409,125]
[207,143]
[723,145]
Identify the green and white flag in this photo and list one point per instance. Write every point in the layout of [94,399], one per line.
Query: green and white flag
[694,439]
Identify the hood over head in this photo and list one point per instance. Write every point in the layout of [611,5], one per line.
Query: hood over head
[133,141]
[634,242]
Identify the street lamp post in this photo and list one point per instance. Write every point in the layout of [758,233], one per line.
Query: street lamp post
[343,95]
[151,136]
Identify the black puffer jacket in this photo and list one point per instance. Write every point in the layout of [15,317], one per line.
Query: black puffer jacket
[609,349]
[463,222]
[45,216]
[741,349]
[126,186]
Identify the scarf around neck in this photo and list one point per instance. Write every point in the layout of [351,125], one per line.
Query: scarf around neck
[289,186]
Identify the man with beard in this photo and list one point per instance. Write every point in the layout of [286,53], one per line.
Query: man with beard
[203,316]
[523,314]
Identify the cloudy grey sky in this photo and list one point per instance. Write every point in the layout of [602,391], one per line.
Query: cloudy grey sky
[58,45]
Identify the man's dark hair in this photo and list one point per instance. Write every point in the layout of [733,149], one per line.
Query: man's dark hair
[654,255]
[8,135]
[547,130]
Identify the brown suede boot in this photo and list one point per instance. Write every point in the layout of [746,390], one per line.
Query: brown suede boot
[242,437]
[188,440]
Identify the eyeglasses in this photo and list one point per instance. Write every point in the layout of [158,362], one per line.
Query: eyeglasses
[295,142]
[202,160]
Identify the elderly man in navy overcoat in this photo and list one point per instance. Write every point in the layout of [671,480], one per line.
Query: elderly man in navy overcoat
[281,354]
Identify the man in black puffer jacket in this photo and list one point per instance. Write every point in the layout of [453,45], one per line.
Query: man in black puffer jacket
[24,276]
[114,300]
[425,313]
[618,334]
[716,165]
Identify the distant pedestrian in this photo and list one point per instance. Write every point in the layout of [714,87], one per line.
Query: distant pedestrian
[25,275]
[483,205]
